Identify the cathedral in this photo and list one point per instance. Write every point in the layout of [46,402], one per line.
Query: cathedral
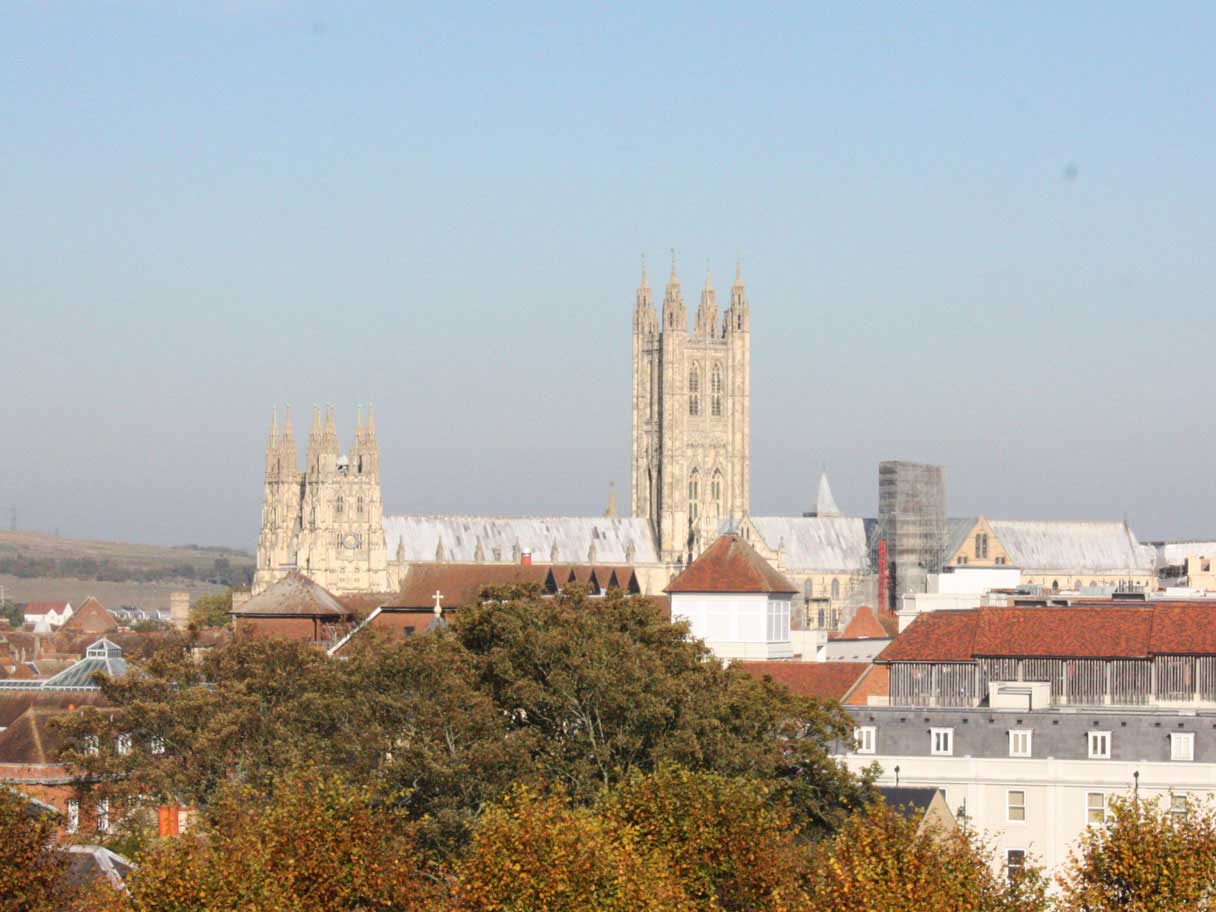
[690,416]
[689,482]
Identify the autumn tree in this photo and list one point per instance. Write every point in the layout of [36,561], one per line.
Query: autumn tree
[538,853]
[1148,856]
[726,841]
[316,846]
[883,859]
[32,867]
[211,610]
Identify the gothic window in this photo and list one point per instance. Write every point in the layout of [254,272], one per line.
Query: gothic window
[694,494]
[715,389]
[694,391]
[835,589]
[339,505]
[715,490]
[359,506]
[312,518]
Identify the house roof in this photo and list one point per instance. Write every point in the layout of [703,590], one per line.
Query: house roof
[15,702]
[958,529]
[730,565]
[461,584]
[295,595]
[31,739]
[38,608]
[1076,547]
[616,540]
[865,626]
[89,863]
[874,682]
[908,799]
[91,617]
[822,680]
[825,543]
[1081,631]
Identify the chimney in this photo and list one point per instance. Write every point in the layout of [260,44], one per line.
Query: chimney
[525,557]
[179,609]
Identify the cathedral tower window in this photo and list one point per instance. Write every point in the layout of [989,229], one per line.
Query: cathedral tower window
[694,494]
[715,389]
[835,589]
[694,391]
[338,507]
[359,506]
[715,491]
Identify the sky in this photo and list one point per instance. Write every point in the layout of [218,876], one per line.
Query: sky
[974,234]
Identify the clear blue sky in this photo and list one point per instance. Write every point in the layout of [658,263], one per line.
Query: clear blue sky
[975,234]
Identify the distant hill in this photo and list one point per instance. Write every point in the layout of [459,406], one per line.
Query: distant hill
[31,555]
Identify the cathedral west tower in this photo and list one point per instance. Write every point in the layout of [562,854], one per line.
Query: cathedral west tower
[691,416]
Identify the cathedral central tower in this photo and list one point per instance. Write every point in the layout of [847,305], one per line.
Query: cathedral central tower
[691,421]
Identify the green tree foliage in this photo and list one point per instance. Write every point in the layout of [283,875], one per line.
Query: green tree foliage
[881,859]
[13,612]
[31,866]
[211,610]
[1144,859]
[571,691]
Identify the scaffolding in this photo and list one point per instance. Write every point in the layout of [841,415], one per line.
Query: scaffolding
[912,521]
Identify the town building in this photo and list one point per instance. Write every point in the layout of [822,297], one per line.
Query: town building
[1031,719]
[735,601]
[50,614]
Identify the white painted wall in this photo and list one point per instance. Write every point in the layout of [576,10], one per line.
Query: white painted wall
[971,580]
[735,625]
[1056,793]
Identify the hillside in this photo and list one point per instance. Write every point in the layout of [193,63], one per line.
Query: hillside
[31,556]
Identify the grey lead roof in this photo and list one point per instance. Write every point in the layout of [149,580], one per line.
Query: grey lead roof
[836,543]
[1095,546]
[493,539]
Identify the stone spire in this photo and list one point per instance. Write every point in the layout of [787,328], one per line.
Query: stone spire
[274,427]
[645,320]
[825,503]
[707,313]
[674,315]
[611,511]
[289,432]
[737,317]
[371,422]
[272,445]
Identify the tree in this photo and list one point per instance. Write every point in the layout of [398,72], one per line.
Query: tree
[879,859]
[12,611]
[608,686]
[211,610]
[32,868]
[1144,858]
[315,846]
[726,841]
[539,854]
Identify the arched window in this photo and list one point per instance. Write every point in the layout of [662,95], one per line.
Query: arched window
[694,494]
[694,391]
[835,589]
[715,491]
[715,389]
[359,506]
[339,505]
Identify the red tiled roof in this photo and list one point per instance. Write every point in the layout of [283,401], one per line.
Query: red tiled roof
[91,617]
[822,680]
[1181,628]
[1096,632]
[864,626]
[939,636]
[43,607]
[461,584]
[876,682]
[730,565]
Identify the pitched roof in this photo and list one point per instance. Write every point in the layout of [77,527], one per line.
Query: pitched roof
[864,626]
[730,565]
[822,680]
[91,617]
[461,584]
[30,739]
[295,595]
[875,682]
[1054,546]
[1080,631]
[617,540]
[908,799]
[35,608]
[825,503]
[816,542]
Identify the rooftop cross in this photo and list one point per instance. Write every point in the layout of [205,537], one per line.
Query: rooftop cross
[438,597]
